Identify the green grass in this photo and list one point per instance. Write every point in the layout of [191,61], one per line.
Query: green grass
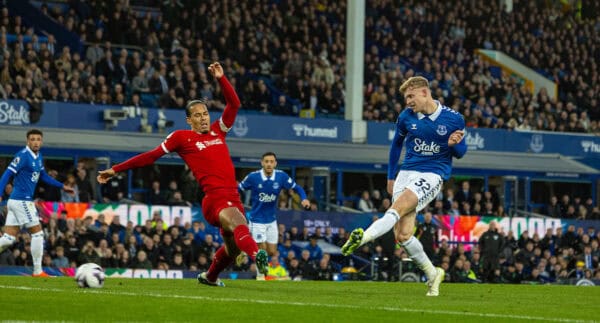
[141,300]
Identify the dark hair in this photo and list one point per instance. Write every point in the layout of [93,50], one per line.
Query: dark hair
[34,132]
[269,153]
[190,104]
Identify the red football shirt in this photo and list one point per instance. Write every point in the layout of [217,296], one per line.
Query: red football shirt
[206,155]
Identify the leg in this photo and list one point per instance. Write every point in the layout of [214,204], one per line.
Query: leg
[272,238]
[15,218]
[258,231]
[404,204]
[37,248]
[404,233]
[232,220]
[222,259]
[9,237]
[271,248]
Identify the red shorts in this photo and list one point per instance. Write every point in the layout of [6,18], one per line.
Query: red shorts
[212,204]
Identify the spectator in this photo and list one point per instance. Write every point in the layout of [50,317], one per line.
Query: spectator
[490,244]
[60,261]
[427,234]
[142,262]
[70,197]
[276,270]
[365,204]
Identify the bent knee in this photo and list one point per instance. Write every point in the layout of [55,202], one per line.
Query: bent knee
[403,237]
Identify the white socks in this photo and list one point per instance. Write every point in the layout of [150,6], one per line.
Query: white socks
[6,241]
[381,226]
[414,248]
[37,251]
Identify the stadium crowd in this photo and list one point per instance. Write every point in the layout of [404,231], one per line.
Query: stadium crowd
[558,255]
[289,55]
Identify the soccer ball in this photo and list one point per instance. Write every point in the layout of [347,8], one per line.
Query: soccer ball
[90,275]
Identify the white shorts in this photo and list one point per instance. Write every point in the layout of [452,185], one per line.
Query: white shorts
[265,232]
[21,213]
[425,185]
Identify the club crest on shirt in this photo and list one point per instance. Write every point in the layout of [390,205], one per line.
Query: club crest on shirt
[275,185]
[413,126]
[260,186]
[442,130]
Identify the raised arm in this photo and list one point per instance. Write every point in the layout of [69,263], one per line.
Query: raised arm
[231,98]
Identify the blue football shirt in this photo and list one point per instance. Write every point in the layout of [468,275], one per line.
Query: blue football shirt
[265,191]
[426,138]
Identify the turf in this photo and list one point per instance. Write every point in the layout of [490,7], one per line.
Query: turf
[154,300]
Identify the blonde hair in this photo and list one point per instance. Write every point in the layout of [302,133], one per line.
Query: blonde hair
[414,83]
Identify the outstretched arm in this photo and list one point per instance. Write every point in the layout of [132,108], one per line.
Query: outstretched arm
[137,161]
[49,180]
[231,98]
[303,199]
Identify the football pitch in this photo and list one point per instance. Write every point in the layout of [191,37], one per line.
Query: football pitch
[184,300]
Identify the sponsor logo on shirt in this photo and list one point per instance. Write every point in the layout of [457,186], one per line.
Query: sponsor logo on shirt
[208,143]
[266,198]
[425,148]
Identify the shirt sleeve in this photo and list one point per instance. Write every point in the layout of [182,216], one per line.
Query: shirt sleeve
[290,183]
[49,180]
[396,148]
[12,169]
[8,174]
[171,143]
[244,184]
[460,149]
[15,164]
[141,160]
[232,107]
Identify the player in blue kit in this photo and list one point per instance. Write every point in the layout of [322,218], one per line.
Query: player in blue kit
[433,134]
[265,185]
[27,168]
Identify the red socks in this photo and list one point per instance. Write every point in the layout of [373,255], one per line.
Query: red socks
[244,241]
[220,262]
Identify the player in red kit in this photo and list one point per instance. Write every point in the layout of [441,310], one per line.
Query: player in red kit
[204,150]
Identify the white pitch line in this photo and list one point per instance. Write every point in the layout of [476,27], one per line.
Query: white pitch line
[272,302]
